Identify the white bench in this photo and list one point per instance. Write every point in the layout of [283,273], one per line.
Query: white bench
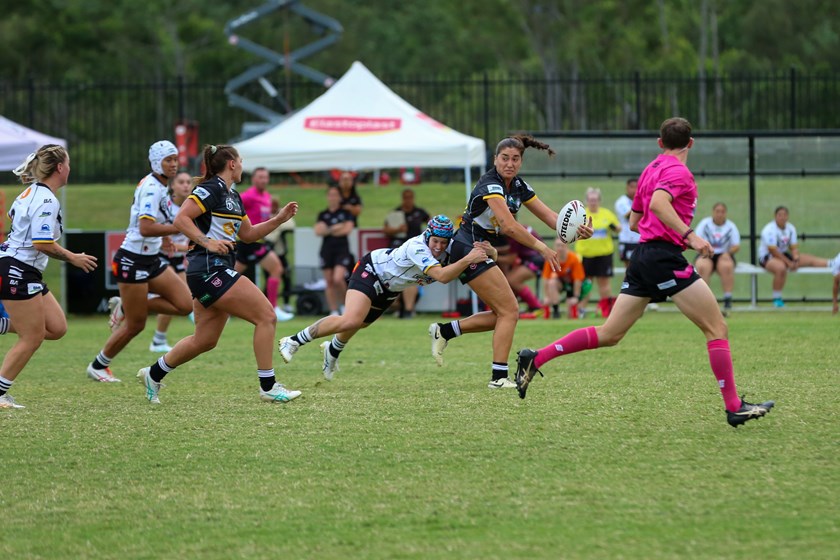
[754,271]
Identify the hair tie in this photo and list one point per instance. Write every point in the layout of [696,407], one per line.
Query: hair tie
[213,149]
[21,169]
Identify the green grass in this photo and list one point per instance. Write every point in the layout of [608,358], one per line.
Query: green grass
[617,453]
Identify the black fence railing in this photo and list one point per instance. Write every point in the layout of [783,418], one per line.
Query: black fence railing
[109,126]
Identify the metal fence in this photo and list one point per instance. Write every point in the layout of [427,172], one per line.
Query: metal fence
[109,126]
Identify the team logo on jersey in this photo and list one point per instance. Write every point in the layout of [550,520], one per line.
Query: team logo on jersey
[230,204]
[201,192]
[45,228]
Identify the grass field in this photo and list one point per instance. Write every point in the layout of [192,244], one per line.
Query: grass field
[617,453]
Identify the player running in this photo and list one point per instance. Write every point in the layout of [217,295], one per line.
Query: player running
[662,211]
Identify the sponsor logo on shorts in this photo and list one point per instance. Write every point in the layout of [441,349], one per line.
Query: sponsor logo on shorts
[230,272]
[141,275]
[204,298]
[665,285]
[217,282]
[34,288]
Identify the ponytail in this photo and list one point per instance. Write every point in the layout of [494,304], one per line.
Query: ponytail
[521,142]
[215,160]
[41,164]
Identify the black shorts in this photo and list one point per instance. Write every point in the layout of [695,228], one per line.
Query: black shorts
[768,256]
[457,251]
[208,288]
[715,259]
[625,251]
[331,258]
[250,253]
[131,268]
[598,266]
[365,280]
[658,270]
[178,262]
[19,280]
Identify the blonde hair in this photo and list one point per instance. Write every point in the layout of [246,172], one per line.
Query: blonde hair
[40,165]
[595,191]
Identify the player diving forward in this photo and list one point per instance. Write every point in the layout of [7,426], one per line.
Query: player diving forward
[376,282]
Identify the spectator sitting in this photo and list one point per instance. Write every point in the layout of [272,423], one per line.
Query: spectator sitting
[779,252]
[725,240]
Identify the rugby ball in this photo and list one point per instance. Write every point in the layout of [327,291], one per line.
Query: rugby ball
[572,215]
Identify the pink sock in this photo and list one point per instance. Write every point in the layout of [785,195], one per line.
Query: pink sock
[575,341]
[271,286]
[721,360]
[529,298]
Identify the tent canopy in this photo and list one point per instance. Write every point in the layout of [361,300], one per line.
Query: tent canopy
[359,123]
[17,142]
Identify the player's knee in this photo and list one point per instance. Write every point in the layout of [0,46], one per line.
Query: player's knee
[718,330]
[56,332]
[134,327]
[607,338]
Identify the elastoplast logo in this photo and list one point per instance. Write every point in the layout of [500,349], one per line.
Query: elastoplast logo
[352,125]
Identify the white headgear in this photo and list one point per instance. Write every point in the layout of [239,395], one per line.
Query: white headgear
[158,152]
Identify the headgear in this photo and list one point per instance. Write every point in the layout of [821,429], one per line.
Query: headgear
[439,226]
[158,152]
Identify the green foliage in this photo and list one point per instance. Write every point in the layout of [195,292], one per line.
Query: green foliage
[616,453]
[153,40]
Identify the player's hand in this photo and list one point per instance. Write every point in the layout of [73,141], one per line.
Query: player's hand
[794,265]
[703,247]
[550,256]
[288,212]
[83,261]
[492,252]
[220,246]
[167,247]
[476,255]
[585,231]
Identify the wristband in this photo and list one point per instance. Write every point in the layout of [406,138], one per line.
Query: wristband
[686,234]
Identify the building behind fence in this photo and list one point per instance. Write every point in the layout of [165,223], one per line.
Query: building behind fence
[110,126]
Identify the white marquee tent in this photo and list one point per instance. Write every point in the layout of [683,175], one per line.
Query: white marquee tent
[17,142]
[359,123]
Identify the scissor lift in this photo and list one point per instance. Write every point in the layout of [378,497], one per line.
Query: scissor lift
[321,24]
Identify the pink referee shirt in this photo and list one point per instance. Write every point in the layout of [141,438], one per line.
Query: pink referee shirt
[257,204]
[669,174]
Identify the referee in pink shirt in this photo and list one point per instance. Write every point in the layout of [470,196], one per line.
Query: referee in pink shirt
[662,211]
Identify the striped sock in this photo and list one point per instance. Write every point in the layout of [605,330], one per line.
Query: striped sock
[500,370]
[5,385]
[267,379]
[159,370]
[159,338]
[303,337]
[450,330]
[336,346]
[102,361]
[4,325]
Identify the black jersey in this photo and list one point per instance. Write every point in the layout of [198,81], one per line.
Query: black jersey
[479,223]
[333,242]
[354,199]
[222,214]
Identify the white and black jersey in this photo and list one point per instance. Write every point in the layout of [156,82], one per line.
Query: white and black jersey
[722,237]
[622,210]
[222,215]
[171,212]
[407,265]
[35,217]
[479,223]
[149,204]
[774,236]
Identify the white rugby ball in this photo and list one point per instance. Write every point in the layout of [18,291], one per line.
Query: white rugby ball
[572,215]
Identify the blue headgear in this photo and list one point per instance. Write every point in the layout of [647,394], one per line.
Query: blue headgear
[439,226]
